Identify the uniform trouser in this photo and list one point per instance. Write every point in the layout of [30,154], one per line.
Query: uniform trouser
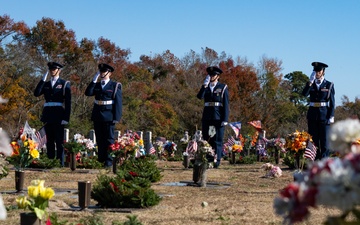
[105,132]
[319,131]
[216,142]
[55,135]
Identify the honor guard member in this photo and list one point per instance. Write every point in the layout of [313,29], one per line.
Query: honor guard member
[107,110]
[216,110]
[56,111]
[321,108]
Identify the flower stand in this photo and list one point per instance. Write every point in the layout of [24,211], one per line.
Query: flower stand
[114,164]
[233,157]
[186,161]
[19,180]
[72,163]
[276,156]
[29,219]
[197,172]
[84,190]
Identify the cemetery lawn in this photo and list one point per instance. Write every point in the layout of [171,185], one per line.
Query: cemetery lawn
[235,194]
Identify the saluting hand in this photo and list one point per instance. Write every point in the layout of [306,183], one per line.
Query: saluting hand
[207,80]
[45,76]
[96,76]
[312,77]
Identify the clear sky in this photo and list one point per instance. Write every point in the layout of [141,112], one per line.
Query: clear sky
[297,32]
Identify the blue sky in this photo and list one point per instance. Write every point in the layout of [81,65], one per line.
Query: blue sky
[297,32]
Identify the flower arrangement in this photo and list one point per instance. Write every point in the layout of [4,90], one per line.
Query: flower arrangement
[295,145]
[331,182]
[79,144]
[237,147]
[24,151]
[271,170]
[159,147]
[170,149]
[276,144]
[297,141]
[127,145]
[38,200]
[203,149]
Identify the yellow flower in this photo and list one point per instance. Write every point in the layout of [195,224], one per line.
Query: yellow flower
[47,193]
[22,202]
[32,144]
[34,153]
[38,183]
[33,191]
[141,142]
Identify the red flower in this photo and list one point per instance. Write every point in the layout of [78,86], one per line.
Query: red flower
[48,222]
[114,187]
[133,174]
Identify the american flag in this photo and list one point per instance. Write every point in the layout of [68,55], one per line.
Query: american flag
[310,151]
[41,136]
[152,149]
[256,124]
[236,126]
[231,141]
[191,147]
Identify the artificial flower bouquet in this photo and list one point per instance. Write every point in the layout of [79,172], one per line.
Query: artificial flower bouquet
[127,145]
[295,146]
[331,182]
[79,144]
[271,170]
[37,200]
[237,147]
[24,152]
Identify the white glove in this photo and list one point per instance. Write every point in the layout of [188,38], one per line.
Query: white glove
[223,123]
[96,77]
[63,122]
[45,76]
[332,120]
[114,121]
[207,80]
[312,77]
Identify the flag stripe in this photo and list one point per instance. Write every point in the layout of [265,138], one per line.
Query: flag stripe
[310,151]
[41,136]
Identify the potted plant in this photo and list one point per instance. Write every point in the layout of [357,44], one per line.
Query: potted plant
[37,202]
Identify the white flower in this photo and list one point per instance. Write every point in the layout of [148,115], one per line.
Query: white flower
[343,134]
[78,137]
[338,185]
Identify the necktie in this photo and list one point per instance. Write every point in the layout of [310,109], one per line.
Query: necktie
[102,83]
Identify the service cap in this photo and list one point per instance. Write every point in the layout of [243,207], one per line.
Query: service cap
[318,66]
[213,70]
[54,65]
[105,67]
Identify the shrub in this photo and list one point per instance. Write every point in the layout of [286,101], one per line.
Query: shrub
[144,167]
[125,190]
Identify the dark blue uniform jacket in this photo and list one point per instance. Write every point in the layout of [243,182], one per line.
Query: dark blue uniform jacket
[221,95]
[326,93]
[106,113]
[59,93]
